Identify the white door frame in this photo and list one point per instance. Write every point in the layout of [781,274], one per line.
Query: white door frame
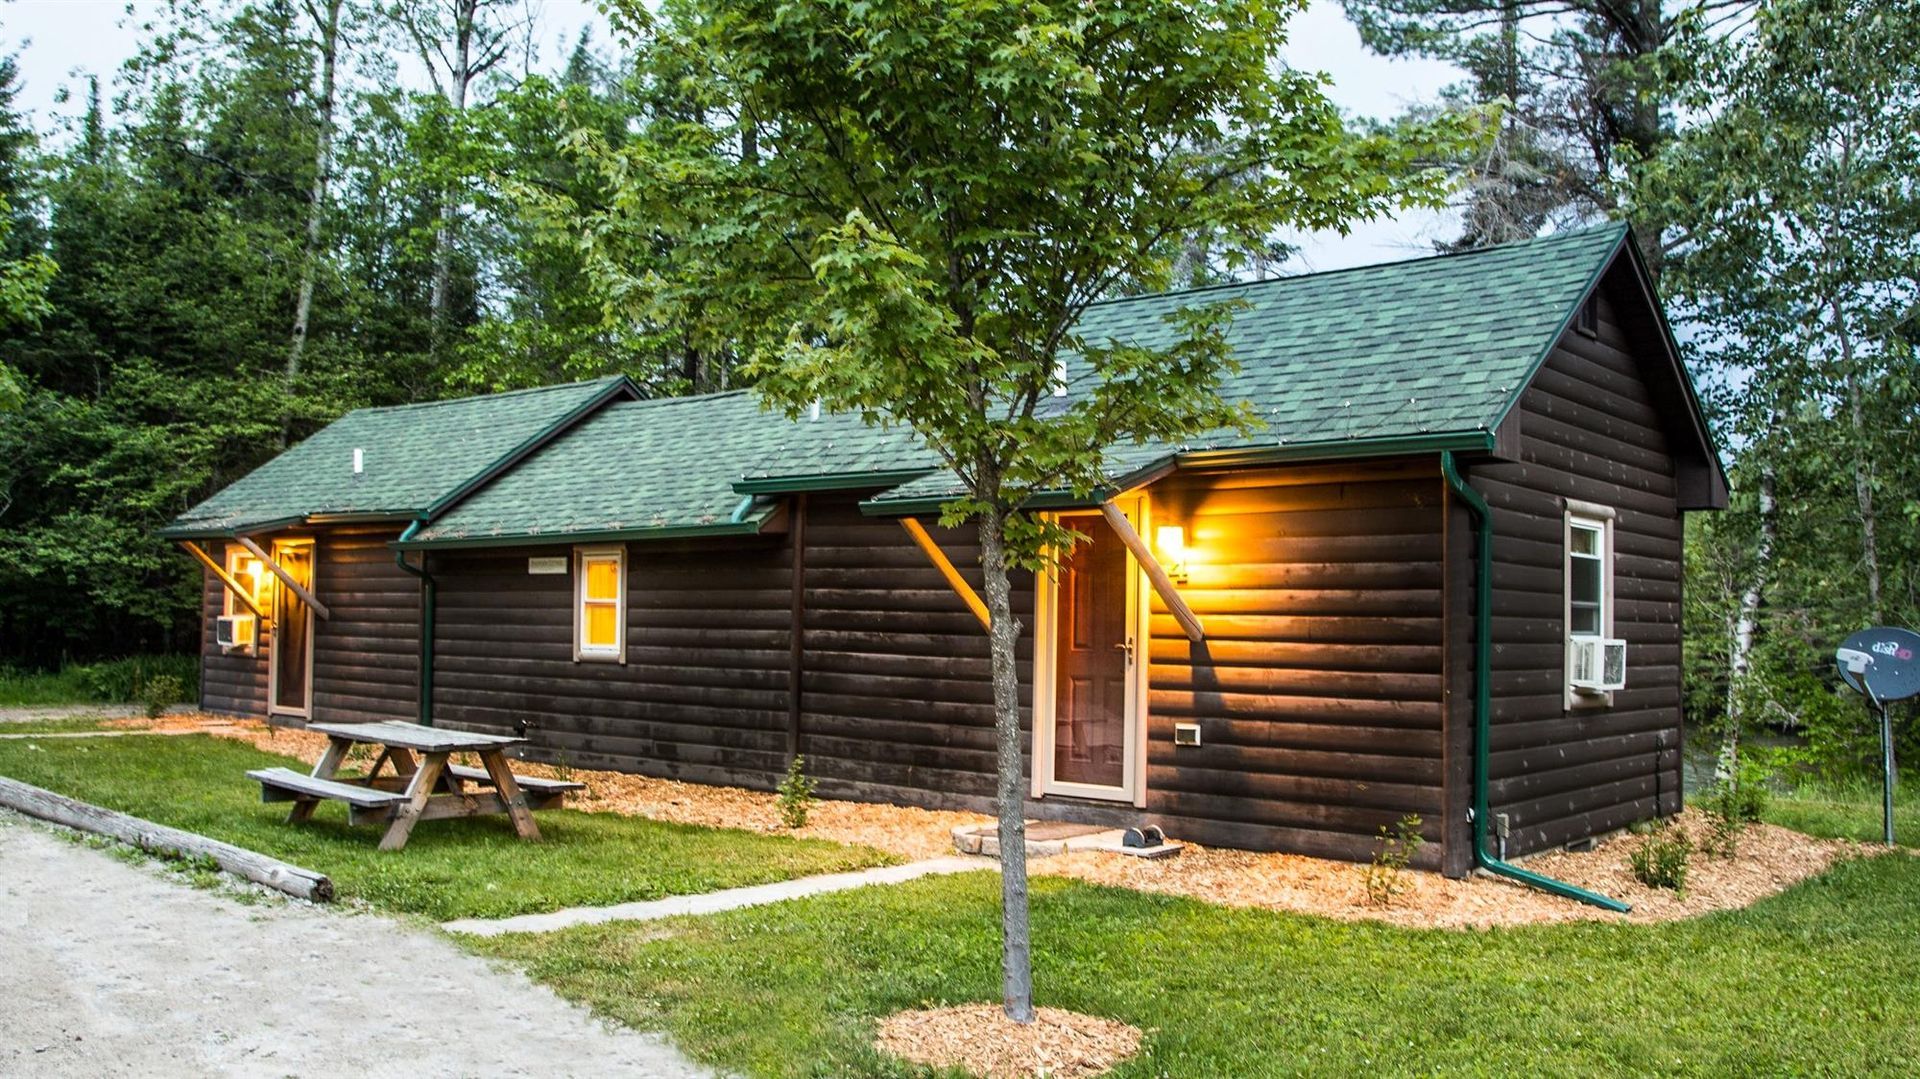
[1133,787]
[274,707]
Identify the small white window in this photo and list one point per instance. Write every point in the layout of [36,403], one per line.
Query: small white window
[243,567]
[600,603]
[1596,660]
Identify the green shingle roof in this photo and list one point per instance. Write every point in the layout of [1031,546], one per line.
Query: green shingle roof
[663,467]
[1423,354]
[1408,352]
[413,456]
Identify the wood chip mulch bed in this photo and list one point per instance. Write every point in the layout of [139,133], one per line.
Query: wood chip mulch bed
[1769,859]
[981,1040]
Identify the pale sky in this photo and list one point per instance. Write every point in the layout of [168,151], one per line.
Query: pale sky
[62,41]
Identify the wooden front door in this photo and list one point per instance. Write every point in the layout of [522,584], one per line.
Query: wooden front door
[1093,665]
[290,688]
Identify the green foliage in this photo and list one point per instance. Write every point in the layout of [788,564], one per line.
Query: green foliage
[1730,806]
[452,868]
[118,681]
[796,794]
[920,254]
[793,990]
[1661,857]
[1385,876]
[132,679]
[161,693]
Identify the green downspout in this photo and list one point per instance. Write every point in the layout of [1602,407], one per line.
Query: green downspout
[429,596]
[1483,702]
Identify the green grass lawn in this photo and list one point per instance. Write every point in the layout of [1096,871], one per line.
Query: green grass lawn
[450,868]
[1824,979]
[61,725]
[1848,811]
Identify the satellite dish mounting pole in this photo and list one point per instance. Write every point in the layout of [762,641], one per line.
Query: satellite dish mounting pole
[1886,766]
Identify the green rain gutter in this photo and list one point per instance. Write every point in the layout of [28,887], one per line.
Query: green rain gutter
[429,597]
[1483,702]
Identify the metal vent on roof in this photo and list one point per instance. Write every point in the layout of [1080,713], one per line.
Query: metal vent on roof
[359,460]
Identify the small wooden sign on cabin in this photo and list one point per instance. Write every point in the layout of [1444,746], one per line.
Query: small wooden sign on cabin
[555,564]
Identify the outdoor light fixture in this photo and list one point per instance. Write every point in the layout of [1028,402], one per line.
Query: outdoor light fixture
[1172,541]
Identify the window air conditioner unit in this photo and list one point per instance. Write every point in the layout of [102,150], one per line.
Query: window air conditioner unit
[234,631]
[1598,664]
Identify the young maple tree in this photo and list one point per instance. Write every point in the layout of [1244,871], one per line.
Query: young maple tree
[902,208]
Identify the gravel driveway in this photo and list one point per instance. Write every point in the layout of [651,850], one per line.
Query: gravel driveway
[112,969]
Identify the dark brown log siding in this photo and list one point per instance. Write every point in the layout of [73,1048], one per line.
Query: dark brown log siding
[1589,431]
[366,657]
[898,699]
[702,697]
[1318,688]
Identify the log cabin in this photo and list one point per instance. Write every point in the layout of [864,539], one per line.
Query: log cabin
[1443,577]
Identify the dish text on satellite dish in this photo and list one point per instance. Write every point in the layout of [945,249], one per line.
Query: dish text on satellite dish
[1882,662]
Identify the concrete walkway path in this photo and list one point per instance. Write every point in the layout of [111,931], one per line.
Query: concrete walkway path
[715,902]
[114,969]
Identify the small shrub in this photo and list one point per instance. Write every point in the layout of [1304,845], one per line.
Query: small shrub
[161,692]
[796,795]
[1385,877]
[1660,861]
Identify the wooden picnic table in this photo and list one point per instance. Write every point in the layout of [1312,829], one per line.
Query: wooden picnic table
[422,784]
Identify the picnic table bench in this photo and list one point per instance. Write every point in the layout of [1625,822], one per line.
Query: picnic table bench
[422,783]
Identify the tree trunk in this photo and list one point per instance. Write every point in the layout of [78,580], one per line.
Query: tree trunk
[1016,938]
[316,207]
[1740,651]
[1862,465]
[459,76]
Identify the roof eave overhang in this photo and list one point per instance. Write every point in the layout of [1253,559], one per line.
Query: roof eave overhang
[729,528]
[1212,460]
[826,481]
[227,531]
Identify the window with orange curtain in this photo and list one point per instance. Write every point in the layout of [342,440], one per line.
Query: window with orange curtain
[600,601]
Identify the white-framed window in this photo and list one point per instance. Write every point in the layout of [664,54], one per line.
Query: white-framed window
[1592,652]
[252,575]
[600,603]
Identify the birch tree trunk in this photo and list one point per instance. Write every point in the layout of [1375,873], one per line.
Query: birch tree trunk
[1016,937]
[1862,465]
[459,77]
[1746,618]
[329,26]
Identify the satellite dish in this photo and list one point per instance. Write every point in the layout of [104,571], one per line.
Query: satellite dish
[1882,662]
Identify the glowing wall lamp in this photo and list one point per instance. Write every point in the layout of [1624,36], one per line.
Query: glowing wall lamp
[1172,543]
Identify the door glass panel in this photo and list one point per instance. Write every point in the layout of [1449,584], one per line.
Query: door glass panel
[291,628]
[1090,727]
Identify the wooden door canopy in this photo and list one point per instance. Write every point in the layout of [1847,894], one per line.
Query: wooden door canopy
[226,579]
[1163,584]
[306,595]
[945,566]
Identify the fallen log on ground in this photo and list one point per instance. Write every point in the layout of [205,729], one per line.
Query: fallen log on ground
[164,841]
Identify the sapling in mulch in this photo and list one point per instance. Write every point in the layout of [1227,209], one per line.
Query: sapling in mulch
[161,692]
[1385,877]
[796,795]
[1660,861]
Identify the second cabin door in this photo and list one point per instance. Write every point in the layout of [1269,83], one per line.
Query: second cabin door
[1092,729]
